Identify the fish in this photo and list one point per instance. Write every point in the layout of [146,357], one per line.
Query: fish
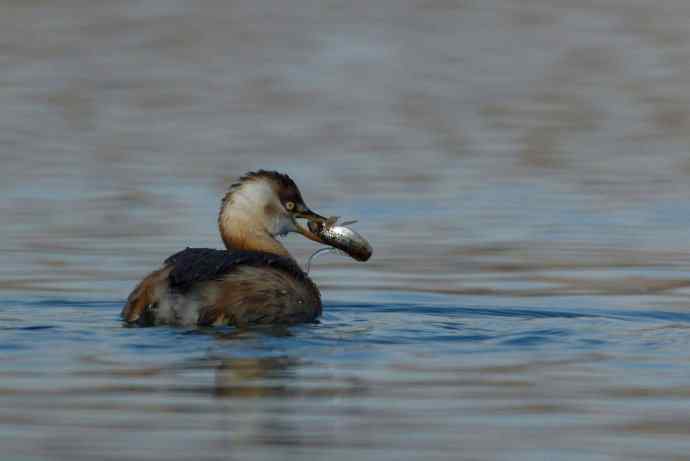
[343,238]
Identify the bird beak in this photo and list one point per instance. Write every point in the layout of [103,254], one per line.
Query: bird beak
[306,213]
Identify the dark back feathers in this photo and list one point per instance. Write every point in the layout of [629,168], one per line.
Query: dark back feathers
[193,265]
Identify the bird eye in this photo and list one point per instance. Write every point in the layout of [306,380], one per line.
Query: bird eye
[290,206]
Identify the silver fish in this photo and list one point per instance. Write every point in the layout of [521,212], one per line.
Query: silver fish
[342,238]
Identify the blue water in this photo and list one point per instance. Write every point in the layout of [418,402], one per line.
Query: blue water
[435,376]
[519,167]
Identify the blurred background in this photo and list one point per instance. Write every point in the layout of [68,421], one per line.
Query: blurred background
[521,168]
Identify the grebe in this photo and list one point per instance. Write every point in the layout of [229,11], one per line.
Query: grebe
[253,281]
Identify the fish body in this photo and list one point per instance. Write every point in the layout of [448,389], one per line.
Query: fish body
[343,238]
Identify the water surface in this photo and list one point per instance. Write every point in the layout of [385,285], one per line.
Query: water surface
[520,167]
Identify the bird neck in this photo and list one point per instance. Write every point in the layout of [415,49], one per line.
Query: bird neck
[237,237]
[242,229]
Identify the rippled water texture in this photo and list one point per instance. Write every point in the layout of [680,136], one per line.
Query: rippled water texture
[521,169]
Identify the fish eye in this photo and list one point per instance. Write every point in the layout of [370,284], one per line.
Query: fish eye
[290,206]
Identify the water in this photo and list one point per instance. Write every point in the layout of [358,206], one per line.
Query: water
[429,377]
[520,167]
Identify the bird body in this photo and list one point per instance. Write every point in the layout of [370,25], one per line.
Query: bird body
[253,281]
[202,286]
